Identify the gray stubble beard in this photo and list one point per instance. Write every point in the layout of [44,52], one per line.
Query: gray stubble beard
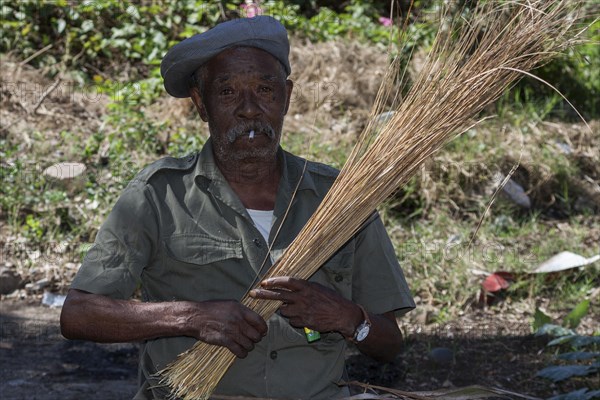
[224,153]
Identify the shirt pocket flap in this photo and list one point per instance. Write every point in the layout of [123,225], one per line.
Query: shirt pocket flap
[202,249]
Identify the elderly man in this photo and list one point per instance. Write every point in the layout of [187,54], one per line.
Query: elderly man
[195,233]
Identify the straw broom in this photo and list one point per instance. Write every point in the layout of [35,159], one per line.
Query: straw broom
[467,69]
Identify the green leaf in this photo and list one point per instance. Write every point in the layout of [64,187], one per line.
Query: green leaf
[583,341]
[578,355]
[573,319]
[540,319]
[554,330]
[562,340]
[560,373]
[581,394]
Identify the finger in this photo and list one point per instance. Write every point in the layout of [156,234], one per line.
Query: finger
[244,342]
[235,348]
[253,333]
[256,323]
[288,311]
[273,294]
[296,323]
[284,282]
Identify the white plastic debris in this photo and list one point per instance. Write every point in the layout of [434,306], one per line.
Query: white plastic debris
[53,299]
[563,261]
[564,147]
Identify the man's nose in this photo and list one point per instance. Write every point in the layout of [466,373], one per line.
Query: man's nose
[248,107]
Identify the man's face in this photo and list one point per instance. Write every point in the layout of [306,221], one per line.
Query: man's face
[244,90]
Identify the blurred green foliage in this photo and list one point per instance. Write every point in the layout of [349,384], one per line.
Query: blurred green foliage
[125,41]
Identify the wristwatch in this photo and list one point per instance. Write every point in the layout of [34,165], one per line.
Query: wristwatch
[362,331]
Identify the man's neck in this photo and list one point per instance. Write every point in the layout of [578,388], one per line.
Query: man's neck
[255,182]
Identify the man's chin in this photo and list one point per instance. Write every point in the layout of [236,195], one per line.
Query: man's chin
[249,156]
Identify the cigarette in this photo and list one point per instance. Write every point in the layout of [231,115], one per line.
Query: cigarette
[251,135]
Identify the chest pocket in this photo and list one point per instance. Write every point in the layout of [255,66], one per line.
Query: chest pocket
[202,249]
[201,267]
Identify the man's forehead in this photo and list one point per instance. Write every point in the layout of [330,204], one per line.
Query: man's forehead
[245,61]
[226,77]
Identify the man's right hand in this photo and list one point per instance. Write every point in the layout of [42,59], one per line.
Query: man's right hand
[227,323]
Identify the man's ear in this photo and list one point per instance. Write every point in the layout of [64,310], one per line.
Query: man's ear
[289,86]
[197,100]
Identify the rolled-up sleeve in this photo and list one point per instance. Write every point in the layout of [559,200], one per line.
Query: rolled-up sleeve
[378,281]
[123,247]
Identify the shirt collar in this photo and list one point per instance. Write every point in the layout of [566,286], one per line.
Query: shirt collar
[293,169]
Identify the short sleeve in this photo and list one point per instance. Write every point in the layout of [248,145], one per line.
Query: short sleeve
[378,282]
[123,247]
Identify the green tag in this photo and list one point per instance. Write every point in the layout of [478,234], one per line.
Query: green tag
[311,336]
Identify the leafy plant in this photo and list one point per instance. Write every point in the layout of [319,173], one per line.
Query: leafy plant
[577,362]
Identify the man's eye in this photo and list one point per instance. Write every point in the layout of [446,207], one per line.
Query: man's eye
[226,92]
[265,89]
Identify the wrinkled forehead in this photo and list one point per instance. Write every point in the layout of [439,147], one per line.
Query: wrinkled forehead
[245,59]
[239,63]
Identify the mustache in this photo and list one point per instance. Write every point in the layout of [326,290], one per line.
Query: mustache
[244,128]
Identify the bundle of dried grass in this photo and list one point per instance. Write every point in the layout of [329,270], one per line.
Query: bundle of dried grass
[469,67]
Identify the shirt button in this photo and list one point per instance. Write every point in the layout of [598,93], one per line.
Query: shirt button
[339,278]
[273,355]
[257,243]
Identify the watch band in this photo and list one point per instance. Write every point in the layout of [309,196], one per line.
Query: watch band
[366,324]
[365,314]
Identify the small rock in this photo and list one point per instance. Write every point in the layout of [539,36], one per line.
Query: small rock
[517,194]
[441,355]
[514,191]
[9,281]
[65,170]
[447,384]
[42,283]
[37,285]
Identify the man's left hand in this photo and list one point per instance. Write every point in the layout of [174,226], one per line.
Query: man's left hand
[311,305]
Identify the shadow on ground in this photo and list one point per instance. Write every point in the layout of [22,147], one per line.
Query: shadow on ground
[36,362]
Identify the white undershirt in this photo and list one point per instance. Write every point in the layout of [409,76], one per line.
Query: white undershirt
[262,219]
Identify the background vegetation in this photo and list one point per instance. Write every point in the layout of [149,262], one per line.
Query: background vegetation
[109,51]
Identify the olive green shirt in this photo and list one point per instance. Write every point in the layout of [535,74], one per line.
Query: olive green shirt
[179,232]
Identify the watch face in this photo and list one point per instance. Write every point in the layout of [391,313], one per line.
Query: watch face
[362,333]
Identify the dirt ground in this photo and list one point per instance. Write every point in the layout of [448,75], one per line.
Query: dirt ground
[36,362]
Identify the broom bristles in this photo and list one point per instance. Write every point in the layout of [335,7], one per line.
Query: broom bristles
[464,73]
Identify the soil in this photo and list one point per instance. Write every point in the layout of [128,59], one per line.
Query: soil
[36,362]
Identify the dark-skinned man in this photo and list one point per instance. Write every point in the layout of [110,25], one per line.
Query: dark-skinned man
[195,233]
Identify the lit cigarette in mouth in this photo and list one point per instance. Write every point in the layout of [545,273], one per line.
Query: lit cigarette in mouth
[251,135]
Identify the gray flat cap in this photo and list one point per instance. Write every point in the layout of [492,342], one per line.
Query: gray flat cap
[183,59]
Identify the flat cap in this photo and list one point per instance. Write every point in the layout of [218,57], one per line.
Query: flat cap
[183,59]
